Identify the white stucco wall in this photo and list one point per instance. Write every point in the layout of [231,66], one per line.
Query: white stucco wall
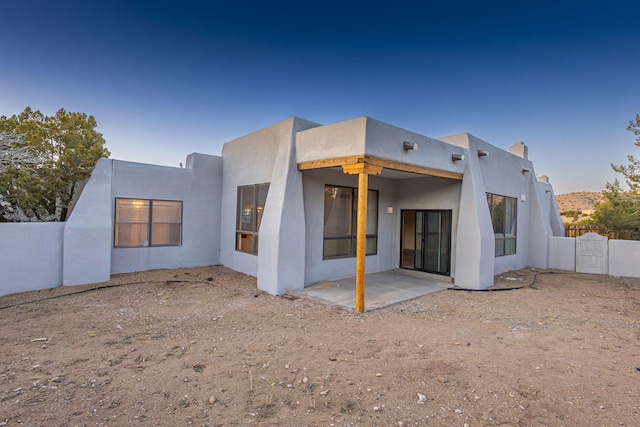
[198,186]
[31,256]
[562,253]
[267,156]
[539,229]
[550,206]
[281,252]
[88,231]
[385,141]
[509,175]
[365,136]
[475,241]
[624,258]
[502,174]
[343,139]
[89,255]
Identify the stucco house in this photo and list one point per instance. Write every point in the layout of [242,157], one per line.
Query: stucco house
[285,203]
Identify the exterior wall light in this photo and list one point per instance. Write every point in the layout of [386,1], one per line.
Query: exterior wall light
[409,145]
[525,170]
[456,157]
[482,153]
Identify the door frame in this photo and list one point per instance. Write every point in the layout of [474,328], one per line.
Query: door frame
[449,243]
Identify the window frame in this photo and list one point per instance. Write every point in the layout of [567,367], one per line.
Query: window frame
[255,219]
[352,236]
[149,223]
[503,240]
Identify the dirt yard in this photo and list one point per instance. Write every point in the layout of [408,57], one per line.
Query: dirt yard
[204,347]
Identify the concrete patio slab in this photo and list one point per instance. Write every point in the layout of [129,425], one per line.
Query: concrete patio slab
[381,289]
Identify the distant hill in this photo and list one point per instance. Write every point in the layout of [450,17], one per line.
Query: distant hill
[577,206]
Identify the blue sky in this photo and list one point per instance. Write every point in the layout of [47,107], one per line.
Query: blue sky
[164,79]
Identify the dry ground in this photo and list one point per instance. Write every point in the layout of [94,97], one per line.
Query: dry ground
[204,347]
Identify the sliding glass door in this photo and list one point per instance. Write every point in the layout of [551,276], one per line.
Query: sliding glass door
[426,241]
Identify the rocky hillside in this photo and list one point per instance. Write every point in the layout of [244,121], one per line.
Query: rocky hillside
[577,206]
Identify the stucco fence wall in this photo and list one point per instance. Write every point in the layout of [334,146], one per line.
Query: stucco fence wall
[623,260]
[31,256]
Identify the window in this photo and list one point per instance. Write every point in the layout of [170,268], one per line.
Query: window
[504,211]
[340,228]
[141,222]
[251,201]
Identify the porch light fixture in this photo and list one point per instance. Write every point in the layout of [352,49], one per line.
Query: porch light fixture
[409,145]
[482,153]
[456,157]
[525,170]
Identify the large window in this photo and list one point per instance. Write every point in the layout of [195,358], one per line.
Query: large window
[251,201]
[340,228]
[504,211]
[143,222]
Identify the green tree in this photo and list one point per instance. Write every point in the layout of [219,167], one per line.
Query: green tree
[631,172]
[619,212]
[68,147]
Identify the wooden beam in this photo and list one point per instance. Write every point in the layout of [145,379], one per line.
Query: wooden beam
[329,163]
[375,161]
[404,167]
[361,239]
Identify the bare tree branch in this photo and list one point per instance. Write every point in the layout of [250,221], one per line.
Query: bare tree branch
[15,155]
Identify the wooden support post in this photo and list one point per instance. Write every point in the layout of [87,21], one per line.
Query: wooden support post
[361,239]
[363,170]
